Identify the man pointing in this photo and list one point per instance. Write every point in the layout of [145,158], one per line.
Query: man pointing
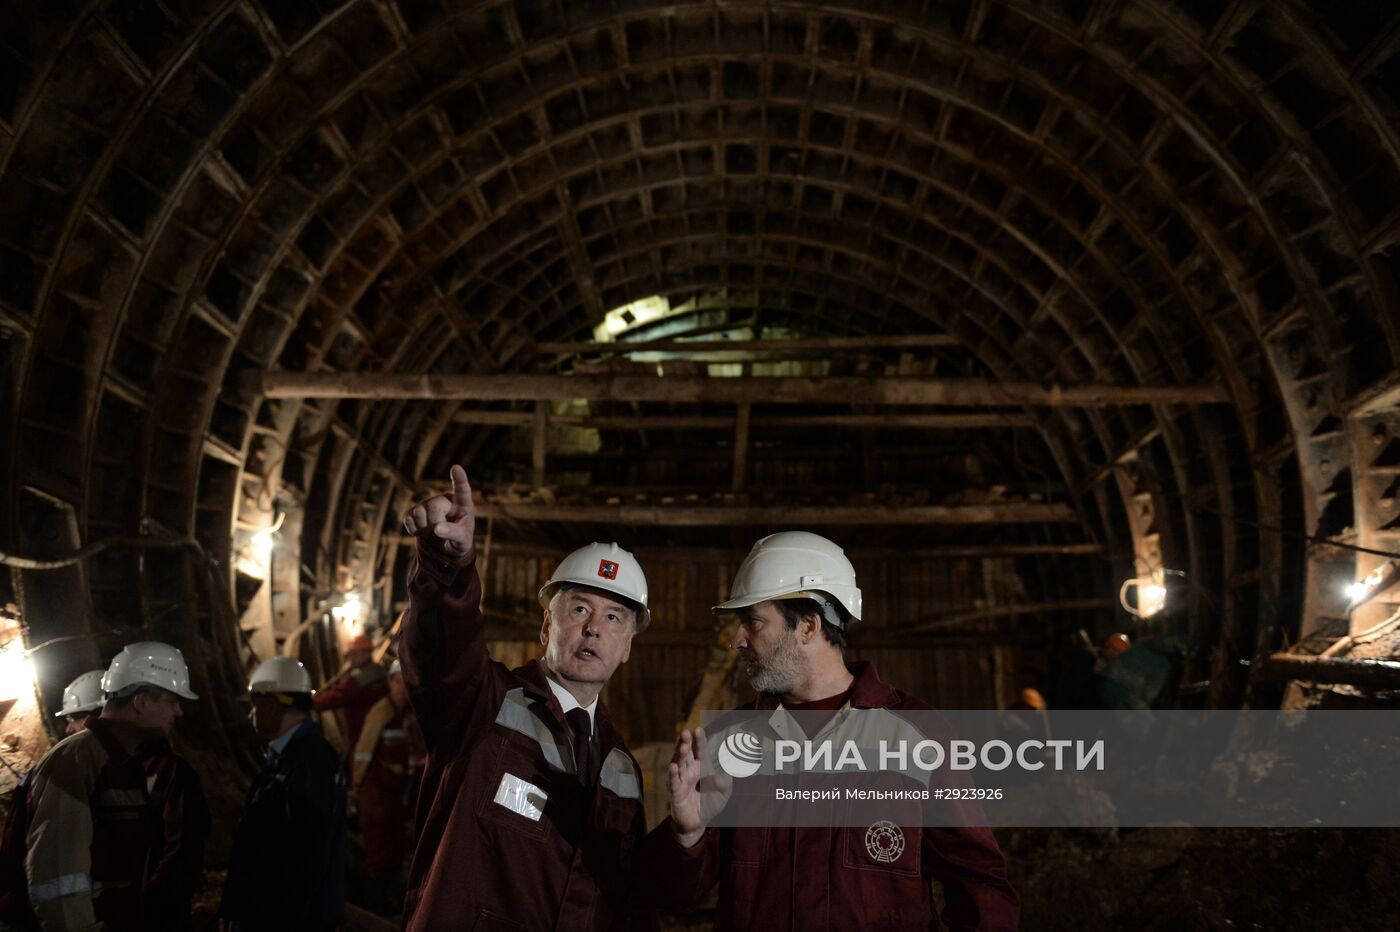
[531,803]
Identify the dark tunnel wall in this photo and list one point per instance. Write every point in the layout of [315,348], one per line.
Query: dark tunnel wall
[1125,192]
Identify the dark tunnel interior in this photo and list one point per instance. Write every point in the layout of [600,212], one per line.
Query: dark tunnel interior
[1062,317]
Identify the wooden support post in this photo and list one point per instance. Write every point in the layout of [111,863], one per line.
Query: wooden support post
[741,448]
[541,437]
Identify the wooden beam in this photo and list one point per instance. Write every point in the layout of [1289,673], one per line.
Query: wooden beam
[512,626]
[731,555]
[898,391]
[656,638]
[950,620]
[1373,674]
[1121,458]
[802,515]
[346,432]
[1376,398]
[741,449]
[722,422]
[819,344]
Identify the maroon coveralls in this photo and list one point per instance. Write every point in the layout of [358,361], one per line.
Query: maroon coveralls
[388,747]
[786,879]
[498,745]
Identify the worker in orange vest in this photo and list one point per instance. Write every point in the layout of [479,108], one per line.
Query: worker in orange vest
[356,690]
[389,750]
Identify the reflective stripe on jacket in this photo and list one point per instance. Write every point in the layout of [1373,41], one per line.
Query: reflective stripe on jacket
[508,837]
[91,832]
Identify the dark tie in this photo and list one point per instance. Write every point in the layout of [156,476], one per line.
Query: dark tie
[582,730]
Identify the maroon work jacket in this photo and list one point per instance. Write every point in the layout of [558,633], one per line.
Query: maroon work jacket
[787,879]
[510,839]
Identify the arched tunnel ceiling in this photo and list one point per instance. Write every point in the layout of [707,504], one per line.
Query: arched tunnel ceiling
[1131,193]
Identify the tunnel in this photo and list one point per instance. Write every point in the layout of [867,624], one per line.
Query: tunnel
[1063,318]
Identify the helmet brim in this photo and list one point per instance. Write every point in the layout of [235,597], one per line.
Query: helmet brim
[745,601]
[741,602]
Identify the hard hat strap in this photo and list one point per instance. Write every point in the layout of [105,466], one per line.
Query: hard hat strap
[824,602]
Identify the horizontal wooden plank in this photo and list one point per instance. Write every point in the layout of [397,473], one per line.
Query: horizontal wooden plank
[894,391]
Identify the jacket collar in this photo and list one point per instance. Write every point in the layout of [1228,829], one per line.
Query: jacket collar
[868,691]
[278,746]
[535,681]
[117,736]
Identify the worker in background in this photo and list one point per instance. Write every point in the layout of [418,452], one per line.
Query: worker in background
[91,831]
[531,803]
[177,800]
[287,868]
[1082,684]
[1029,700]
[796,597]
[390,748]
[355,690]
[82,701]
[82,704]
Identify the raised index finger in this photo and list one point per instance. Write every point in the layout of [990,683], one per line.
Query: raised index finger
[461,488]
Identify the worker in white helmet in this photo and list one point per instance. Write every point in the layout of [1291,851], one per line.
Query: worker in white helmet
[533,802]
[82,704]
[796,598]
[287,867]
[82,701]
[92,838]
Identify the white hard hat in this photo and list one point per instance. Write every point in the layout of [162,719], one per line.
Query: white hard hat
[796,564]
[395,668]
[280,675]
[148,663]
[602,566]
[84,694]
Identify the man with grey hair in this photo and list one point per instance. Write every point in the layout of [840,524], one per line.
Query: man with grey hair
[531,804]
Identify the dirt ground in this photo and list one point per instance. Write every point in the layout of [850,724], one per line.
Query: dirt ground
[1153,880]
[1206,879]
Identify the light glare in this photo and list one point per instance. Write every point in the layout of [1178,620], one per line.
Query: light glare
[16,670]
